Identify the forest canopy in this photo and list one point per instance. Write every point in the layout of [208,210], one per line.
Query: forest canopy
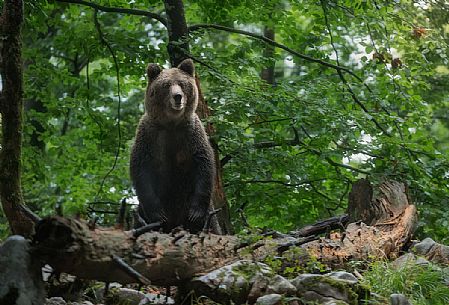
[306,97]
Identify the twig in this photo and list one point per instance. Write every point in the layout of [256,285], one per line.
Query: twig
[121,213]
[282,182]
[142,230]
[209,219]
[284,247]
[130,271]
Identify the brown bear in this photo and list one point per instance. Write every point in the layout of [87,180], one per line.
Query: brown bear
[172,162]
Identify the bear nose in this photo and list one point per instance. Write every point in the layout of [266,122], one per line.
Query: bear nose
[177,97]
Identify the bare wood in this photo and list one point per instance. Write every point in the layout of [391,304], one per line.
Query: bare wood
[365,205]
[393,221]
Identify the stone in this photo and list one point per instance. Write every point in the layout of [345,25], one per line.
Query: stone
[55,301]
[259,288]
[343,276]
[20,276]
[127,295]
[325,289]
[152,298]
[270,299]
[281,285]
[399,299]
[424,246]
[403,260]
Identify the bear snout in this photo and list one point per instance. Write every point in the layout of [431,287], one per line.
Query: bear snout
[177,99]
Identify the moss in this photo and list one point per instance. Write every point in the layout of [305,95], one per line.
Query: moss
[344,288]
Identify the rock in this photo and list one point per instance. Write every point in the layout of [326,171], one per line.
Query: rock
[325,289]
[424,246]
[55,301]
[152,298]
[259,288]
[125,295]
[343,276]
[281,285]
[67,286]
[335,302]
[305,277]
[234,275]
[223,283]
[407,259]
[399,299]
[403,260]
[421,261]
[270,299]
[436,252]
[20,276]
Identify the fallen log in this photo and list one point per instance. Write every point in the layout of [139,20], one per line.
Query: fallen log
[106,254]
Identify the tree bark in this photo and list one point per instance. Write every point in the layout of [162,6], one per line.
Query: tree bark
[11,109]
[178,50]
[178,46]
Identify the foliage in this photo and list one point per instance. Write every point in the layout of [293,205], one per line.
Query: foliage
[292,148]
[295,261]
[422,284]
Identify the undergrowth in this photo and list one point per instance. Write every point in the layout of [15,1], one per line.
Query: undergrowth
[421,284]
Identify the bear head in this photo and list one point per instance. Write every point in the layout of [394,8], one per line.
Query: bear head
[172,94]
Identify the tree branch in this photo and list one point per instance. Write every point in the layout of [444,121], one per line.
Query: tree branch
[342,77]
[309,182]
[128,11]
[199,26]
[293,142]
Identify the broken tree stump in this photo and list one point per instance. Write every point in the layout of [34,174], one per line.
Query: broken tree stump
[391,218]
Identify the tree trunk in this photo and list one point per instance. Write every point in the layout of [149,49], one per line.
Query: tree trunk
[178,50]
[11,110]
[178,46]
[267,73]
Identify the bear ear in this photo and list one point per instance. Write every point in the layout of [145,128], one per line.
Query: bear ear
[187,66]
[153,71]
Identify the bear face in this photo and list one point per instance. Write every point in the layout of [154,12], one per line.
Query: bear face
[171,95]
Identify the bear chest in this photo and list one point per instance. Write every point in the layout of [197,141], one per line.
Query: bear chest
[174,151]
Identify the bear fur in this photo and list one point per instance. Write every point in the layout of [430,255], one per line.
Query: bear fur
[172,162]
